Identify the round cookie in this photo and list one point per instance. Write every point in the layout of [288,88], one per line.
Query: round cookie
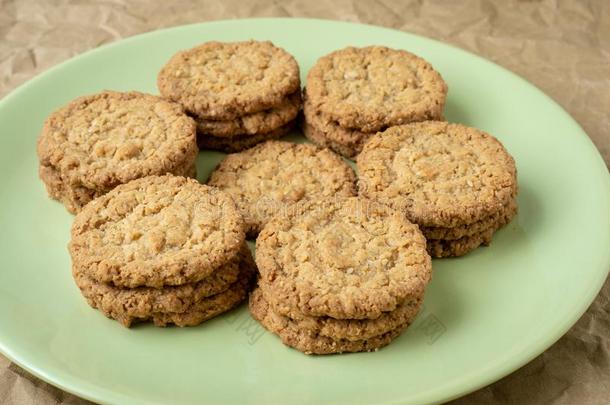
[375,87]
[255,123]
[129,304]
[347,142]
[309,342]
[267,178]
[353,329]
[347,258]
[459,232]
[238,143]
[156,231]
[214,305]
[459,247]
[438,174]
[225,80]
[97,142]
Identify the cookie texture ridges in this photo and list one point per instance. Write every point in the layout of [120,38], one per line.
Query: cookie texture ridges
[459,184]
[266,179]
[156,231]
[97,142]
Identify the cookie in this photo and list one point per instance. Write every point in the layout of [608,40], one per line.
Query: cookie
[347,258]
[458,232]
[225,80]
[156,231]
[372,88]
[461,246]
[346,142]
[267,178]
[255,123]
[214,305]
[438,174]
[353,329]
[97,142]
[238,143]
[130,304]
[310,342]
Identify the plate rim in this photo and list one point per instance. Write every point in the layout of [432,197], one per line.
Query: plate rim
[457,388]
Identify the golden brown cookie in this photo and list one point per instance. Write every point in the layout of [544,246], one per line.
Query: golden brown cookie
[225,80]
[346,142]
[438,174]
[310,342]
[353,329]
[347,258]
[256,123]
[97,142]
[239,143]
[214,305]
[372,88]
[267,178]
[156,231]
[128,305]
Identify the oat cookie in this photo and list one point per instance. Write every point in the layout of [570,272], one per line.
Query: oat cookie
[255,123]
[310,342]
[214,305]
[238,143]
[347,142]
[97,142]
[225,80]
[267,178]
[131,304]
[465,244]
[353,329]
[156,231]
[346,258]
[504,216]
[438,174]
[375,87]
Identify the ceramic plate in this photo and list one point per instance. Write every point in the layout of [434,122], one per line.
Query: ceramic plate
[485,314]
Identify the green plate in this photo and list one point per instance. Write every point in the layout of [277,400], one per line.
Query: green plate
[485,314]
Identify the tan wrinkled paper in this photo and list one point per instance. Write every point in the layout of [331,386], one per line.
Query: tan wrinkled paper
[563,47]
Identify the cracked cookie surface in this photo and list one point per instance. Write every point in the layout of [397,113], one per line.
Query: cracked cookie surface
[225,80]
[347,258]
[97,142]
[156,231]
[267,178]
[375,87]
[438,174]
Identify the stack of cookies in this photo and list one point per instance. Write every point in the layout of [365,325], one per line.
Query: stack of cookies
[164,249]
[239,93]
[354,92]
[339,275]
[459,184]
[100,141]
[268,179]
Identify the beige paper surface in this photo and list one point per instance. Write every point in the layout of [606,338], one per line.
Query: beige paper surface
[563,47]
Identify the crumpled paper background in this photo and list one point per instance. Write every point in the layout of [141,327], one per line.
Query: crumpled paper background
[563,47]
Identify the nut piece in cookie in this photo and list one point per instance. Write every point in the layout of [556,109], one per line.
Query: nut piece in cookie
[156,231]
[267,178]
[97,142]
